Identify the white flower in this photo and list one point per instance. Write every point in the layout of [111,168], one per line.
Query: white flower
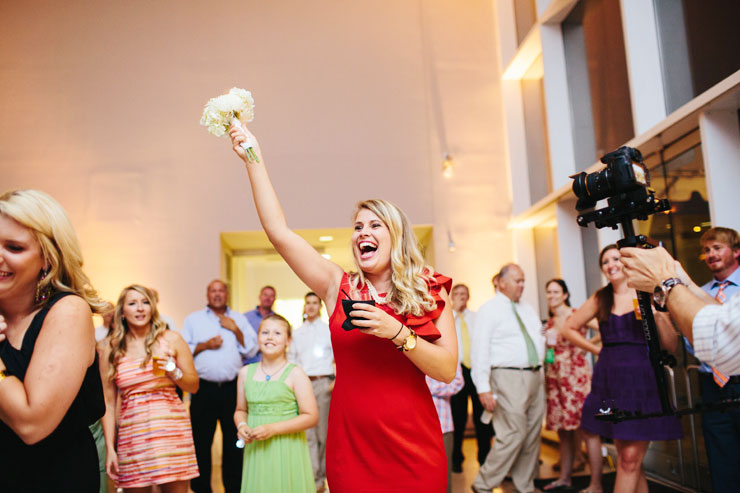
[219,111]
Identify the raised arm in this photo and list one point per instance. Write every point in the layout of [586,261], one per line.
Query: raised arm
[579,318]
[320,275]
[65,348]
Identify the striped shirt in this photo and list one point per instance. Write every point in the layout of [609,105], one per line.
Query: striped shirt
[716,330]
[441,393]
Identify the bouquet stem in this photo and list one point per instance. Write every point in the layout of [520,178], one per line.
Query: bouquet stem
[249,151]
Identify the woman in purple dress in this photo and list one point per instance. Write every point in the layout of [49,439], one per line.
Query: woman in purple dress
[623,376]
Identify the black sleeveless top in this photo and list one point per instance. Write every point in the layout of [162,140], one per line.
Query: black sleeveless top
[67,459]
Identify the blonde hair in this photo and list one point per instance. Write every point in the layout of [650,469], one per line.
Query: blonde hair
[728,236]
[60,249]
[280,319]
[118,344]
[409,292]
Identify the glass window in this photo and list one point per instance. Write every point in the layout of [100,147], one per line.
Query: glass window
[677,173]
[597,79]
[698,46]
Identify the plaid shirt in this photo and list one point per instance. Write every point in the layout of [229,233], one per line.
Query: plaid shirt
[441,393]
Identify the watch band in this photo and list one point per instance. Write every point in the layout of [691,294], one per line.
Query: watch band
[407,345]
[661,292]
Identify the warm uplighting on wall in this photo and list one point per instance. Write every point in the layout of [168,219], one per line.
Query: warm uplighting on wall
[447,165]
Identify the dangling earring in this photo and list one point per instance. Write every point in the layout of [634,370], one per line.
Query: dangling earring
[42,293]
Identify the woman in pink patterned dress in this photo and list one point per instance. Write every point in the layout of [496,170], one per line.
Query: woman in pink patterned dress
[567,382]
[141,363]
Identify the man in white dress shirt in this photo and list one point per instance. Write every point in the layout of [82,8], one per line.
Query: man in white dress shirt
[464,320]
[311,350]
[507,352]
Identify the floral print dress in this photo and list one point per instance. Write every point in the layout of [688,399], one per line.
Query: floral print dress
[567,383]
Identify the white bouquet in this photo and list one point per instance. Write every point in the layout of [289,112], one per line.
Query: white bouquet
[230,109]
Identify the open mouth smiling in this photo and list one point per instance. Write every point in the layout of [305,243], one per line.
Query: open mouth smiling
[367,249]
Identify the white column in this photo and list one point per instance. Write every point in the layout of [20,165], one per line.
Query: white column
[557,101]
[643,64]
[525,257]
[506,22]
[511,94]
[720,145]
[570,250]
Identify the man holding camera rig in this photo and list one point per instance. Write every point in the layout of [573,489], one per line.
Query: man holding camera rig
[715,331]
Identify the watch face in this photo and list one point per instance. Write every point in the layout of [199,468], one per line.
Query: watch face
[659,296]
[411,341]
[170,365]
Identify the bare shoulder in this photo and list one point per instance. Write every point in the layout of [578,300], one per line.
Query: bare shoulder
[72,305]
[72,313]
[297,375]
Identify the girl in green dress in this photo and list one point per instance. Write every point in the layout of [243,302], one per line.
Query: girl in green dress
[275,405]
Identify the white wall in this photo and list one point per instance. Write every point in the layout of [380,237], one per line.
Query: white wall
[101,103]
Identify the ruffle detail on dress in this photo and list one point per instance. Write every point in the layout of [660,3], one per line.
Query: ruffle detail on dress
[423,325]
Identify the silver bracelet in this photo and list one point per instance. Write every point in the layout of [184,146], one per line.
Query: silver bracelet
[176,375]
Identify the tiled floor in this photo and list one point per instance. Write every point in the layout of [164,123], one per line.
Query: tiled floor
[460,482]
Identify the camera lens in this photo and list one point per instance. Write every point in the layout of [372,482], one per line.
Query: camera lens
[590,188]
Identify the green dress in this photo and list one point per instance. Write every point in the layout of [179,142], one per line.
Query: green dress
[280,464]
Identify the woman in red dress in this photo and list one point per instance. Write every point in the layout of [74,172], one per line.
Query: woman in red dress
[384,432]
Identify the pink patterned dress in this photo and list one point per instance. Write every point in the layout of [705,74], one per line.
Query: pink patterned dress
[155,440]
[567,383]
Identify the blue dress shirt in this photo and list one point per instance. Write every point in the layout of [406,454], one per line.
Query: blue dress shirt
[222,364]
[254,317]
[711,288]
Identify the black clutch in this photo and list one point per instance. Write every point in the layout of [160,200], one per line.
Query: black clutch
[347,306]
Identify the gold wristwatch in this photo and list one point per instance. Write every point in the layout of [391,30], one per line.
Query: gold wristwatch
[409,343]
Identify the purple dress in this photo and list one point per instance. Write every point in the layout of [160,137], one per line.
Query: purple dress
[623,375]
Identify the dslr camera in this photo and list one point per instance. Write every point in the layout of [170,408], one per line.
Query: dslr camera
[625,182]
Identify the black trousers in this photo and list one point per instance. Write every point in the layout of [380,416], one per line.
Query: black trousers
[721,434]
[459,406]
[215,402]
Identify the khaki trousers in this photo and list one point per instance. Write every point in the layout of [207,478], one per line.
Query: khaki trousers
[517,421]
[316,436]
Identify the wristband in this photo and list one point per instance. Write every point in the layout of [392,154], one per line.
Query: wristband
[240,425]
[399,331]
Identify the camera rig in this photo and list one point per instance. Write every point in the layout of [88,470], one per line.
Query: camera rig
[625,183]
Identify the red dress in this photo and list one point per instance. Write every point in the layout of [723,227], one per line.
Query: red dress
[384,433]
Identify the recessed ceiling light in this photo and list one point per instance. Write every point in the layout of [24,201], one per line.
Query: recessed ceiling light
[325,239]
[326,256]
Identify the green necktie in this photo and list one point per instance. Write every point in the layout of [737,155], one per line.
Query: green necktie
[534,360]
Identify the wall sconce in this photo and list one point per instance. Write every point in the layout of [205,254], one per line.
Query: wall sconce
[447,165]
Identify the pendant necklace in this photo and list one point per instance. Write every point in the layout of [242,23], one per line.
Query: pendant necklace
[269,376]
[381,300]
